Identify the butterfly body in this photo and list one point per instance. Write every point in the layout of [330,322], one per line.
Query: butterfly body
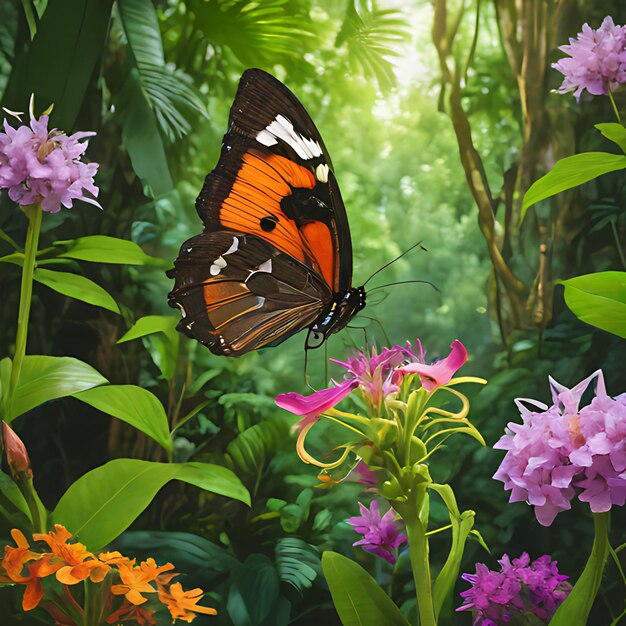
[275,256]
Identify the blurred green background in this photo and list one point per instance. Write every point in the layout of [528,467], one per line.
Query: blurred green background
[399,91]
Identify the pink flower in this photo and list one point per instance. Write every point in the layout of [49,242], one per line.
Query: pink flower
[597,60]
[37,165]
[440,372]
[564,451]
[381,535]
[518,589]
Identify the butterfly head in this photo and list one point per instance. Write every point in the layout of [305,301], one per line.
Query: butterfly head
[345,306]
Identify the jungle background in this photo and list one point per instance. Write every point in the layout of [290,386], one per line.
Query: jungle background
[438,116]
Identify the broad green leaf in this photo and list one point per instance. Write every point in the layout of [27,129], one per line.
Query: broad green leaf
[141,137]
[45,378]
[297,562]
[163,337]
[104,249]
[135,406]
[76,286]
[357,597]
[253,592]
[148,325]
[11,492]
[599,299]
[60,61]
[577,605]
[615,132]
[103,503]
[571,172]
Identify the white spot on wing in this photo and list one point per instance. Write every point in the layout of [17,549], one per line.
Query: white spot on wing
[217,266]
[321,172]
[234,246]
[182,309]
[266,267]
[282,128]
[267,139]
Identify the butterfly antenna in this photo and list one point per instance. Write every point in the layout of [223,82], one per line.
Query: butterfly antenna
[406,282]
[386,265]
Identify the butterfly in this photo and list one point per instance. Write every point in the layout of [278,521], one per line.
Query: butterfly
[275,255]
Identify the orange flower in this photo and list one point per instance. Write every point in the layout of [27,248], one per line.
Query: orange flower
[129,612]
[183,604]
[71,561]
[136,579]
[15,558]
[115,558]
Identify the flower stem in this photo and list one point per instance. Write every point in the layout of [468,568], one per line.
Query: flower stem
[619,119]
[25,485]
[418,551]
[33,213]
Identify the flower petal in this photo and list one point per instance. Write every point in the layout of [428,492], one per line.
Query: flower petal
[317,402]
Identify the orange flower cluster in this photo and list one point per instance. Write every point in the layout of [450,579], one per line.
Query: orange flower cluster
[71,563]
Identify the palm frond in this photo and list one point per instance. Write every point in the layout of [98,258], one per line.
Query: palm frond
[257,33]
[169,90]
[370,37]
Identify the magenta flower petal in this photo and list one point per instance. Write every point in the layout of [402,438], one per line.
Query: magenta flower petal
[317,402]
[441,372]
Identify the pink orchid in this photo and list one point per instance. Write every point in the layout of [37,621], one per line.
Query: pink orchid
[441,372]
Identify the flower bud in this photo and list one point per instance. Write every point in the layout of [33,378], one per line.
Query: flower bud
[15,450]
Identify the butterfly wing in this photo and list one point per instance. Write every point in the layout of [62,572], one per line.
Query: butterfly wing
[274,197]
[275,180]
[238,293]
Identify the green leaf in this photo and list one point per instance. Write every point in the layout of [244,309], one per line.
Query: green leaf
[462,524]
[253,592]
[59,63]
[11,492]
[142,139]
[104,249]
[135,406]
[297,562]
[163,337]
[578,603]
[599,299]
[614,132]
[198,557]
[45,378]
[17,258]
[250,449]
[168,90]
[104,502]
[358,599]
[77,287]
[571,172]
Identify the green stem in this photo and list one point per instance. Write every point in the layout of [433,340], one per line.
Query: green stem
[33,213]
[25,485]
[418,551]
[619,119]
[576,608]
[618,244]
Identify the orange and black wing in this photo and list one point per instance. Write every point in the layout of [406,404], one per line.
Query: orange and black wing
[237,292]
[274,180]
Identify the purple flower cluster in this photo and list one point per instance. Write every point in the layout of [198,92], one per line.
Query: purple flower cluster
[597,60]
[519,589]
[381,535]
[564,451]
[37,165]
